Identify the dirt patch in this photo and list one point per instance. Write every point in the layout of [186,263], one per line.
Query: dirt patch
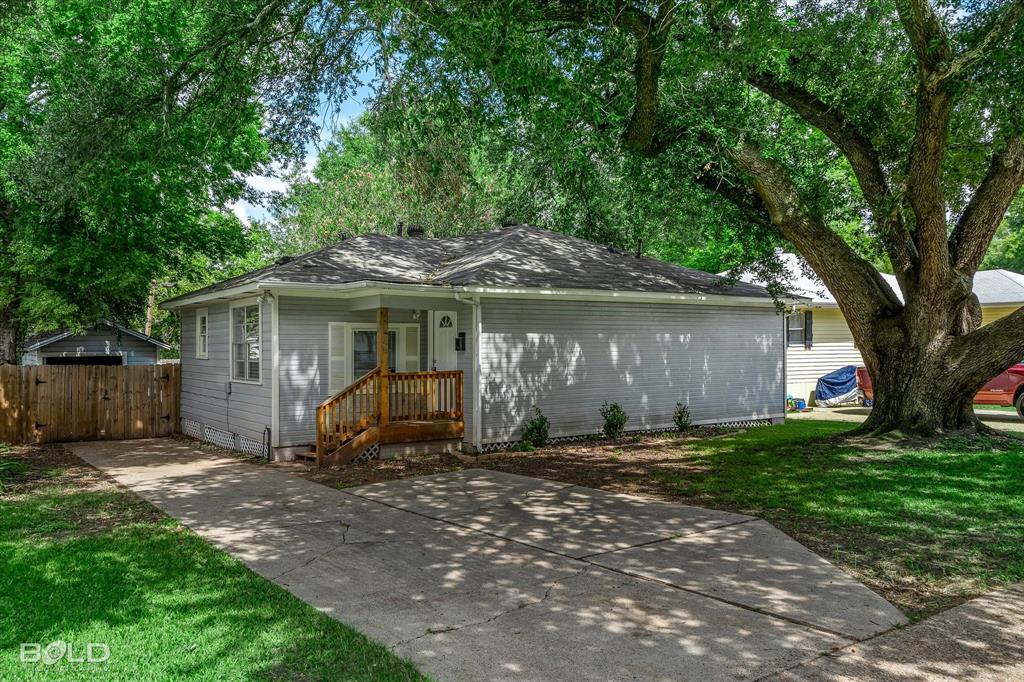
[638,465]
[77,499]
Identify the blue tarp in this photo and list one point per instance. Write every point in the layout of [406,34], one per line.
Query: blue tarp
[837,387]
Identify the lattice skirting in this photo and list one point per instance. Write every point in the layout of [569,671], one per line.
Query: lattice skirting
[372,452]
[224,439]
[512,444]
[251,446]
[191,428]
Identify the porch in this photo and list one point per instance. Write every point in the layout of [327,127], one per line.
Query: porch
[385,406]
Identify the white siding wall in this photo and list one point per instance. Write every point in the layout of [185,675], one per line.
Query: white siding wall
[204,383]
[725,363]
[832,347]
[303,329]
[98,342]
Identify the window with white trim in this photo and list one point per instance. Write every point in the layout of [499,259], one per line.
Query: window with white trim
[245,342]
[202,334]
[798,329]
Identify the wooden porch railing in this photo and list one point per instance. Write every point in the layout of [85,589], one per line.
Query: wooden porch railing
[425,396]
[348,412]
[411,397]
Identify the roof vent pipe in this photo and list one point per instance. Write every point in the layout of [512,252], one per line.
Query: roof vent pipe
[416,231]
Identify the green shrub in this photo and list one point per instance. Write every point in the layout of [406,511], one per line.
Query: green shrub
[535,431]
[681,417]
[615,419]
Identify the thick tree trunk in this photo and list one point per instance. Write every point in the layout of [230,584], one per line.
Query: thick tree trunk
[10,337]
[916,397]
[924,382]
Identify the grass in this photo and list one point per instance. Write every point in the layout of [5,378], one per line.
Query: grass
[82,560]
[996,408]
[926,527]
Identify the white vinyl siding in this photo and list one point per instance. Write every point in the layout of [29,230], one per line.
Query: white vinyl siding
[833,347]
[307,374]
[724,363]
[205,384]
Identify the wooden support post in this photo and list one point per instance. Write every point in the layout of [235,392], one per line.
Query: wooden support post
[384,393]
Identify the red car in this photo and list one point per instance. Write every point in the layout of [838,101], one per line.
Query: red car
[1006,389]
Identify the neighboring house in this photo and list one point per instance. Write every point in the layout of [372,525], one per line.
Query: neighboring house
[104,343]
[819,341]
[481,328]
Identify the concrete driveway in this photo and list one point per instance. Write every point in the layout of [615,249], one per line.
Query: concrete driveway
[481,575]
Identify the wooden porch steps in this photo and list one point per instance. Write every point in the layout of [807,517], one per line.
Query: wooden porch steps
[384,407]
[394,433]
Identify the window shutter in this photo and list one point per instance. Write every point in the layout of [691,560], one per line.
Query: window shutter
[337,368]
[411,361]
[808,330]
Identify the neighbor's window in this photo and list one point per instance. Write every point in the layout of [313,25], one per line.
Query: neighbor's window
[202,334]
[245,343]
[798,329]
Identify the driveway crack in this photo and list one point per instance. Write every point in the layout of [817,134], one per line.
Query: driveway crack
[518,607]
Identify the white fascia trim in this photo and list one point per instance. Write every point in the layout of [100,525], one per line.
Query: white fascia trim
[369,288]
[223,295]
[630,296]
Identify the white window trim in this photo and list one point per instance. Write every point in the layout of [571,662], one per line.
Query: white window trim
[398,328]
[204,313]
[803,330]
[243,303]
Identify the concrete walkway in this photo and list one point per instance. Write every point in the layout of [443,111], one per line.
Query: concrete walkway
[481,575]
[982,641]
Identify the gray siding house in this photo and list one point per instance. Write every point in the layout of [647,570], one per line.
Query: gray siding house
[280,359]
[105,343]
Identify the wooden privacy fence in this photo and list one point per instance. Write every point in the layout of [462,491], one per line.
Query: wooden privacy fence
[59,403]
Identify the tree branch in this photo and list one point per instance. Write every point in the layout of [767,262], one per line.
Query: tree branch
[988,350]
[981,218]
[1000,28]
[928,37]
[858,150]
[860,290]
[924,173]
[652,36]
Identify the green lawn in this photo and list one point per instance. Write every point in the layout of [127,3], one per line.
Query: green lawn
[926,526]
[84,561]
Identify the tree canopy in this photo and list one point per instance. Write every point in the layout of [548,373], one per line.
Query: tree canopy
[125,130]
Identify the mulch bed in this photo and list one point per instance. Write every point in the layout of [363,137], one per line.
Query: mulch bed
[622,466]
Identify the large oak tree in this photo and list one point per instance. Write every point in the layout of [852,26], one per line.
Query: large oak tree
[754,102]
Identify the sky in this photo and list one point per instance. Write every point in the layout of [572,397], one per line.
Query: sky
[348,111]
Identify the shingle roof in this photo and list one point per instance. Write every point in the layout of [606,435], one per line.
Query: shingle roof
[993,287]
[519,256]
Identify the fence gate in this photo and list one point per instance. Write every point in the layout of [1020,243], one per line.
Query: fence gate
[58,403]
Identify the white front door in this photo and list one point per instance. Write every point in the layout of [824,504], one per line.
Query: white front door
[443,332]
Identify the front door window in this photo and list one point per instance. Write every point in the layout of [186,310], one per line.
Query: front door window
[364,351]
